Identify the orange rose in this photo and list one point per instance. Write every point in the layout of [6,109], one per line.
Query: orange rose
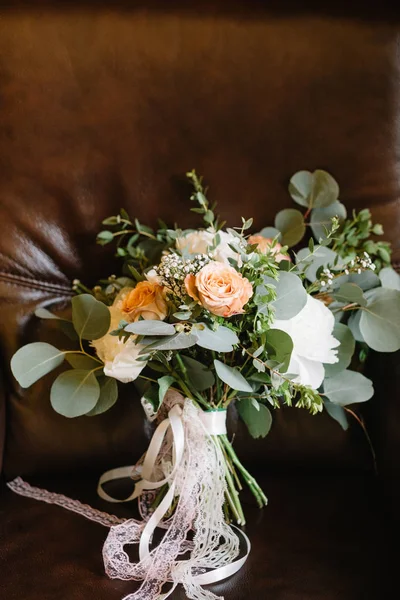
[220,289]
[265,244]
[145,300]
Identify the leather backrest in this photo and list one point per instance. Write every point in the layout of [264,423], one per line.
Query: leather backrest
[105,107]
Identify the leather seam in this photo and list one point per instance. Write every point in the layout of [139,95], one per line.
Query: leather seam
[19,280]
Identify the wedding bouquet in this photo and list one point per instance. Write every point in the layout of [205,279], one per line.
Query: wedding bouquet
[210,317]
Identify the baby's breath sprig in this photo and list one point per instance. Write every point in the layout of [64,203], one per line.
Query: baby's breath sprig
[173,269]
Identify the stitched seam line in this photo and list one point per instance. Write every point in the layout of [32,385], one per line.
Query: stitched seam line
[19,280]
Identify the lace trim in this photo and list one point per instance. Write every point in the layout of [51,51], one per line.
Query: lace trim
[22,488]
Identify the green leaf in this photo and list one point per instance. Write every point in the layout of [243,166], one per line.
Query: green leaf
[135,273]
[164,383]
[389,278]
[337,413]
[179,341]
[271,233]
[104,237]
[33,361]
[81,361]
[290,222]
[43,313]
[111,221]
[108,396]
[380,320]
[91,318]
[150,327]
[345,351]
[221,340]
[348,387]
[354,325]
[300,187]
[232,377]
[350,293]
[321,218]
[75,393]
[291,297]
[258,420]
[183,315]
[322,257]
[200,376]
[65,325]
[279,346]
[365,280]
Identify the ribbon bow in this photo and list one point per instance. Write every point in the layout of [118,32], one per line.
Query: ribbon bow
[184,450]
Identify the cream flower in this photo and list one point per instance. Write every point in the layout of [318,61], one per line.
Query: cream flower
[220,289]
[120,359]
[197,242]
[313,342]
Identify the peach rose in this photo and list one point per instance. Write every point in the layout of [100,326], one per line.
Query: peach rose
[264,244]
[220,289]
[145,300]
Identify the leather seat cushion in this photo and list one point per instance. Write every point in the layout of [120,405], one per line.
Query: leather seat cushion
[321,538]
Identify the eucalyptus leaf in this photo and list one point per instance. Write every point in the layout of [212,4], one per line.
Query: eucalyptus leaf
[221,340]
[314,190]
[290,222]
[75,393]
[380,320]
[65,325]
[108,396]
[81,361]
[321,219]
[389,278]
[337,413]
[258,418]
[33,361]
[232,377]
[91,318]
[179,341]
[43,313]
[164,383]
[150,327]
[366,280]
[279,347]
[354,325]
[322,257]
[350,293]
[348,387]
[345,351]
[200,376]
[271,233]
[291,297]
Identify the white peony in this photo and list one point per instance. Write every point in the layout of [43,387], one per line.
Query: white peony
[313,342]
[120,359]
[197,242]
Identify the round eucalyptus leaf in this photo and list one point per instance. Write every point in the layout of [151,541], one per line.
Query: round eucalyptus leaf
[321,257]
[337,413]
[348,387]
[350,293]
[221,340]
[321,218]
[33,361]
[380,320]
[91,318]
[81,361]
[389,278]
[279,347]
[108,396]
[300,187]
[200,376]
[354,325]
[325,189]
[345,351]
[75,393]
[366,280]
[291,296]
[290,222]
[257,418]
[232,377]
[271,233]
[179,341]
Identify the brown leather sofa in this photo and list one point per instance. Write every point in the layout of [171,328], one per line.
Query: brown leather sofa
[106,105]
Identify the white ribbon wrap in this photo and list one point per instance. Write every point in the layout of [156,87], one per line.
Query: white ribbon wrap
[184,455]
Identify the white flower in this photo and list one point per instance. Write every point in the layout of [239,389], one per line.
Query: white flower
[120,359]
[152,277]
[313,342]
[197,242]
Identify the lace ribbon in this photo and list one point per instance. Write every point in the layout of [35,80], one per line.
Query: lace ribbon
[185,457]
